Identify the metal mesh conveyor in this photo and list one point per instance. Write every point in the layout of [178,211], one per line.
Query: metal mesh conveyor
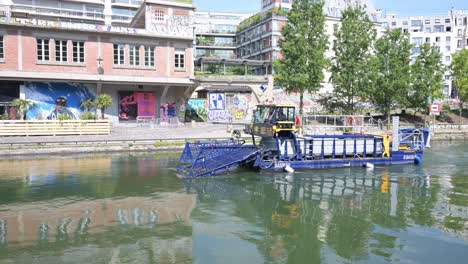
[209,158]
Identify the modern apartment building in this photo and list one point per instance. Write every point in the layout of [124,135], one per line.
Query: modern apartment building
[60,53]
[216,33]
[258,36]
[449,33]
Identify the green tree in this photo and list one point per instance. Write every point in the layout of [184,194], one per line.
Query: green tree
[460,75]
[427,74]
[101,102]
[390,76]
[22,106]
[352,47]
[87,104]
[303,47]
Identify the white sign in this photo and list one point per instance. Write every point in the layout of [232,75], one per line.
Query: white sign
[217,101]
[434,109]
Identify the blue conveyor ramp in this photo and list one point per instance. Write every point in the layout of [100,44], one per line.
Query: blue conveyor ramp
[213,157]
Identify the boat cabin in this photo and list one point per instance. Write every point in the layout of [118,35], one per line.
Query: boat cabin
[273,120]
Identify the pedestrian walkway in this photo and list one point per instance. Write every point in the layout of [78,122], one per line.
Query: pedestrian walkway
[132,132]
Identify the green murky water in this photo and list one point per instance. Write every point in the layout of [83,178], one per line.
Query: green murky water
[133,209]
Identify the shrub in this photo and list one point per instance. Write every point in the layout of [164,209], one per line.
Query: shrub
[87,116]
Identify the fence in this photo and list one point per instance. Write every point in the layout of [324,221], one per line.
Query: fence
[54,127]
[150,121]
[445,126]
[331,124]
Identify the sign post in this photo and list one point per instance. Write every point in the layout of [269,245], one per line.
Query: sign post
[434,109]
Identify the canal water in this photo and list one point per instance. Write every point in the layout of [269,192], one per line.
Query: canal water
[132,208]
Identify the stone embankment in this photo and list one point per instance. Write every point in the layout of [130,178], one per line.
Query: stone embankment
[133,138]
[122,139]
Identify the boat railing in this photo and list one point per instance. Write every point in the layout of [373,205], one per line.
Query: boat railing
[339,124]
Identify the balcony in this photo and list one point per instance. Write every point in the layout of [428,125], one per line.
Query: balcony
[122,18]
[27,10]
[127,3]
[216,44]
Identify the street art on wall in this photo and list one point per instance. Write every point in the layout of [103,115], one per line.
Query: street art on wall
[52,100]
[159,22]
[230,107]
[217,101]
[168,110]
[282,97]
[196,110]
[127,106]
[135,104]
[146,104]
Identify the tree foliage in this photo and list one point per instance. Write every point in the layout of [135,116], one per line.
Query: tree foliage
[352,46]
[459,69]
[22,106]
[101,102]
[303,47]
[427,74]
[390,76]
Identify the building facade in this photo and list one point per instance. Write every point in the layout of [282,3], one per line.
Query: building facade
[449,33]
[216,33]
[258,36]
[58,61]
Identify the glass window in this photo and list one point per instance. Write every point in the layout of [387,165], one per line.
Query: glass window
[119,51]
[447,58]
[78,51]
[447,77]
[416,23]
[61,51]
[448,39]
[428,40]
[417,41]
[149,56]
[42,49]
[2,56]
[179,59]
[447,48]
[134,55]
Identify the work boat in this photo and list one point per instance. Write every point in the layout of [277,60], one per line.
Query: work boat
[281,147]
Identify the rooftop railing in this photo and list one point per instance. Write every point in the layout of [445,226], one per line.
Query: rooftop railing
[58,11]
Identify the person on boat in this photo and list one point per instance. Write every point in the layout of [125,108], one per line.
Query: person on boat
[281,115]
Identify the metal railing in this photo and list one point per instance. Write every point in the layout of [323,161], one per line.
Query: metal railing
[57,11]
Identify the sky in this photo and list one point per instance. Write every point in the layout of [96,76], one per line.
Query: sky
[400,7]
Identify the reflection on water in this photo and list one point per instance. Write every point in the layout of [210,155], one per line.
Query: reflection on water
[133,209]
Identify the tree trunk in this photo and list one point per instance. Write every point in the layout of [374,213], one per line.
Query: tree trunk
[460,108]
[102,112]
[301,104]
[388,120]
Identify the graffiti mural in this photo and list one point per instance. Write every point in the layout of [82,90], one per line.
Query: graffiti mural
[146,104]
[52,100]
[196,110]
[282,97]
[135,104]
[230,107]
[168,110]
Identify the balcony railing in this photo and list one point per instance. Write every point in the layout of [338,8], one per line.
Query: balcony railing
[57,11]
[128,2]
[216,44]
[122,18]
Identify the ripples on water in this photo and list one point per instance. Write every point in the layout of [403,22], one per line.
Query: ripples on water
[133,209]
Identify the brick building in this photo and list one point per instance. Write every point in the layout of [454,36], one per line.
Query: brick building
[56,57]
